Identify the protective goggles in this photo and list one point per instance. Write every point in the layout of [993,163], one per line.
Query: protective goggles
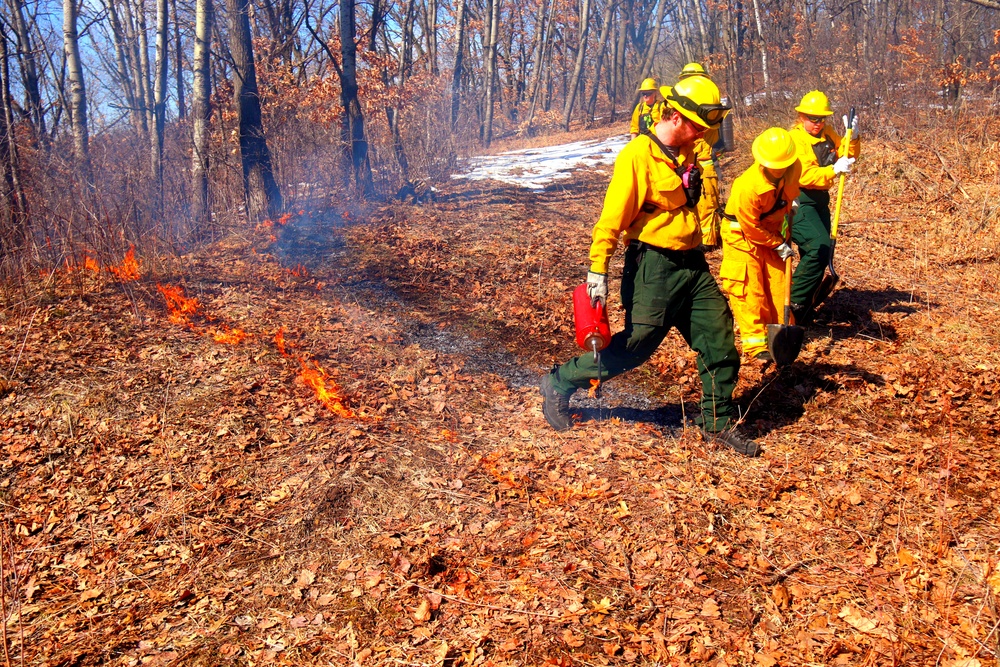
[815,119]
[710,114]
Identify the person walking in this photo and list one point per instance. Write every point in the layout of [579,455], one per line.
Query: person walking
[754,244]
[704,150]
[641,115]
[824,156]
[666,281]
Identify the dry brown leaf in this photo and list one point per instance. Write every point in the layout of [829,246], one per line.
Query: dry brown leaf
[306,578]
[422,614]
[572,640]
[91,594]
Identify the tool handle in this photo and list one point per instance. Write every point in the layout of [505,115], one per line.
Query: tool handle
[840,187]
[788,264]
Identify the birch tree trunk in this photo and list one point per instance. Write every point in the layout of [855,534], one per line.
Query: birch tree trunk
[178,63]
[159,108]
[491,65]
[201,109]
[77,91]
[143,39]
[581,52]
[456,77]
[263,198]
[763,48]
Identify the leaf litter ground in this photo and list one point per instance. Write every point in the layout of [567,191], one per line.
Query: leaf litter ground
[173,500]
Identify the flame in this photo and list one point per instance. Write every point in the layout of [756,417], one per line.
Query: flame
[326,389]
[279,341]
[594,385]
[128,270]
[90,264]
[299,271]
[229,336]
[283,220]
[181,308]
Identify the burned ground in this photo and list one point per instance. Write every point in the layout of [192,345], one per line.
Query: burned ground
[169,499]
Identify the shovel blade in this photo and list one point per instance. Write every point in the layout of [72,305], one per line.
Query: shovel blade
[825,289]
[784,342]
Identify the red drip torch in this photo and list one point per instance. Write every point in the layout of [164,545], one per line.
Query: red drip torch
[593,333]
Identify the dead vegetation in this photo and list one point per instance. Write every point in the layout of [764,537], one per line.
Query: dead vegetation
[168,499]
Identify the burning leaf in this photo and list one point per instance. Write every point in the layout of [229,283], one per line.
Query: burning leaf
[128,270]
[279,341]
[594,386]
[229,336]
[328,394]
[180,307]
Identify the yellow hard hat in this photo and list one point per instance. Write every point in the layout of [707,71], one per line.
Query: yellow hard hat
[698,99]
[814,103]
[648,86]
[693,69]
[774,148]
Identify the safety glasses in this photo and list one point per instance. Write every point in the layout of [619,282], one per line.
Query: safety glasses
[816,119]
[710,114]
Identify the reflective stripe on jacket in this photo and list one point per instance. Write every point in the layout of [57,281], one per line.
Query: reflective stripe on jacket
[815,177]
[646,201]
[753,201]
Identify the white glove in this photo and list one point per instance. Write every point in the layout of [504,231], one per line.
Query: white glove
[843,165]
[597,287]
[784,251]
[855,133]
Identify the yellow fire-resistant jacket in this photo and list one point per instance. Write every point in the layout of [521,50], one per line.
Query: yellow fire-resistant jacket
[640,109]
[703,151]
[815,177]
[751,197]
[645,199]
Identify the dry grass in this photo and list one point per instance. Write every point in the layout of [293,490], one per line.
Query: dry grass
[169,500]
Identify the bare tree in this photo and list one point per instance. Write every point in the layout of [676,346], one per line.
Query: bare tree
[201,110]
[263,198]
[491,65]
[11,194]
[352,129]
[581,52]
[27,60]
[159,107]
[77,90]
[456,78]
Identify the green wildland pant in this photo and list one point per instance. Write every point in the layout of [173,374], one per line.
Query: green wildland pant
[811,232]
[663,289]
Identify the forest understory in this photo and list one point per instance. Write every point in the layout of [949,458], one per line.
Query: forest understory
[319,442]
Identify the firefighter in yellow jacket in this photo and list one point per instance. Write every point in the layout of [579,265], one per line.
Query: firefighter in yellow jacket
[824,157]
[641,116]
[754,248]
[666,282]
[708,205]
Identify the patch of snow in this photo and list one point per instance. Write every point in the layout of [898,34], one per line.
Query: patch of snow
[535,168]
